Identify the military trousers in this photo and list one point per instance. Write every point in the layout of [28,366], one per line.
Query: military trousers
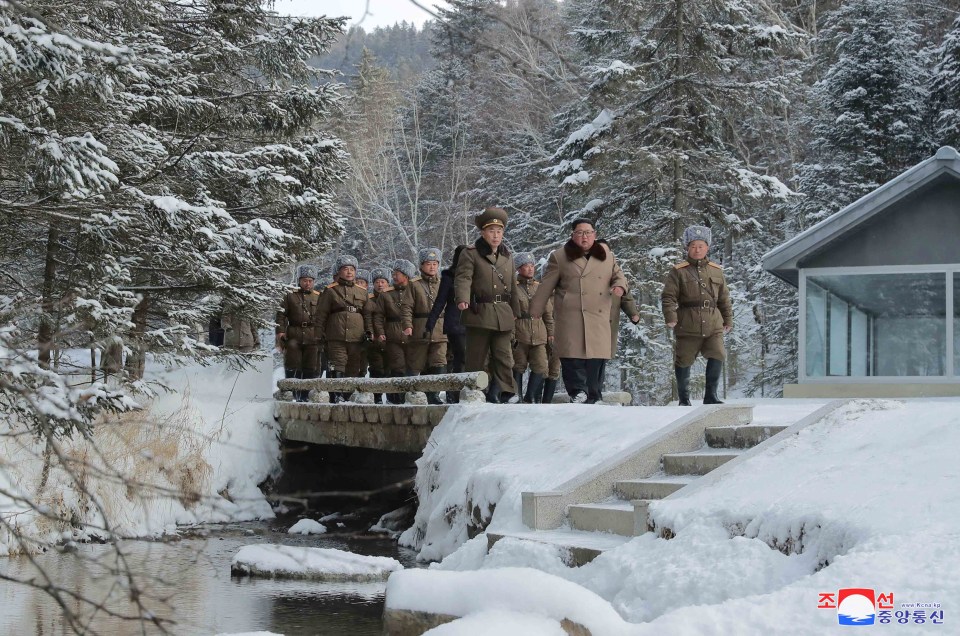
[582,375]
[345,357]
[396,355]
[687,347]
[422,355]
[480,343]
[553,369]
[533,355]
[377,357]
[301,357]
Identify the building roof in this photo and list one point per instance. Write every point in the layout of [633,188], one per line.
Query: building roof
[783,261]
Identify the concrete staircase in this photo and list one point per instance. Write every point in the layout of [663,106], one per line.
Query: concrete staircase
[626,513]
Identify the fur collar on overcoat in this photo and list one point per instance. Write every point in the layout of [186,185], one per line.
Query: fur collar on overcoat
[574,251]
[483,248]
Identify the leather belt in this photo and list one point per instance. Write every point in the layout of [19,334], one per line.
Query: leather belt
[499,298]
[304,325]
[426,315]
[703,304]
[349,308]
[393,320]
[526,316]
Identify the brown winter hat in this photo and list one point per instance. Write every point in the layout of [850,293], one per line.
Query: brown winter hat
[491,216]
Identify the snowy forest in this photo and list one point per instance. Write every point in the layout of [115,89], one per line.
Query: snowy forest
[164,161]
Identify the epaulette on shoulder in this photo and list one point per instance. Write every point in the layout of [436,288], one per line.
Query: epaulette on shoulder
[471,247]
[712,264]
[332,285]
[682,265]
[416,278]
[315,292]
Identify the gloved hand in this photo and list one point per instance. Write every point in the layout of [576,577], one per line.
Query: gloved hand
[426,334]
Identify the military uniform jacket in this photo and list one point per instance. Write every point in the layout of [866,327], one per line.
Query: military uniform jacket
[695,295]
[532,331]
[393,314]
[340,312]
[423,292]
[487,281]
[297,316]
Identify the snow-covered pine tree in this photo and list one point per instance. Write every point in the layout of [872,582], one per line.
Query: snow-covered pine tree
[867,110]
[658,147]
[945,89]
[156,157]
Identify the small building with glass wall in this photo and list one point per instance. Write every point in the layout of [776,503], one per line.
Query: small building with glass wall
[879,286]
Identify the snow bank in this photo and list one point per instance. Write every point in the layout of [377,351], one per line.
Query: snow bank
[195,454]
[865,498]
[477,463]
[307,526]
[498,623]
[522,590]
[323,564]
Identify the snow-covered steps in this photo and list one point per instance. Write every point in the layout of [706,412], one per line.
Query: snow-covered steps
[578,547]
[739,436]
[626,518]
[656,487]
[699,462]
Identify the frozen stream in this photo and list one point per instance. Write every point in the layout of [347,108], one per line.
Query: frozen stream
[189,582]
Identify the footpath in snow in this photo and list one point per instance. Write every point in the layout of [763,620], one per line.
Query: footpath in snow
[864,498]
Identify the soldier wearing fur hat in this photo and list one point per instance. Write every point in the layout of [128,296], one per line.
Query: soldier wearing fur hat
[696,305]
[296,332]
[485,289]
[340,320]
[532,334]
[393,321]
[427,350]
[376,349]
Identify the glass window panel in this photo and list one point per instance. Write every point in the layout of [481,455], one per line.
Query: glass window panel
[899,319]
[816,330]
[956,324]
[837,344]
[859,343]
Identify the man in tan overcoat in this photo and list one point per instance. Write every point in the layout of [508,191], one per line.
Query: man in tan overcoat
[485,289]
[696,305]
[532,334]
[582,276]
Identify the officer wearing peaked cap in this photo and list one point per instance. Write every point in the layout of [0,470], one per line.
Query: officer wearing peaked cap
[296,331]
[696,305]
[485,290]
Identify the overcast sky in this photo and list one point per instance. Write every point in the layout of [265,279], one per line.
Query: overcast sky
[379,12]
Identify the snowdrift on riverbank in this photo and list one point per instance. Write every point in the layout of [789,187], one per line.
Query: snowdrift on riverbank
[867,498]
[320,564]
[195,454]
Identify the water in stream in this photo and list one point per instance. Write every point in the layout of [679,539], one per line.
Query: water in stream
[189,583]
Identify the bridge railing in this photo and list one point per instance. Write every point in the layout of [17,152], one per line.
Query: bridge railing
[362,390]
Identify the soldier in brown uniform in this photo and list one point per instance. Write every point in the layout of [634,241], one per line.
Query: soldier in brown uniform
[696,305]
[340,320]
[362,280]
[376,348]
[485,289]
[393,321]
[296,329]
[532,334]
[427,350]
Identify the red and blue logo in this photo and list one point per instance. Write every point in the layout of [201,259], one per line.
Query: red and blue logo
[856,606]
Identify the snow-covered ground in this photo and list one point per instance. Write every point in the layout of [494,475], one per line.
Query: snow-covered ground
[865,498]
[322,564]
[195,454]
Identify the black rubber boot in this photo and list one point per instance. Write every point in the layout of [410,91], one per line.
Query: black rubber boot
[396,398]
[335,396]
[493,392]
[518,380]
[376,396]
[549,388]
[534,389]
[683,385]
[433,397]
[714,369]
